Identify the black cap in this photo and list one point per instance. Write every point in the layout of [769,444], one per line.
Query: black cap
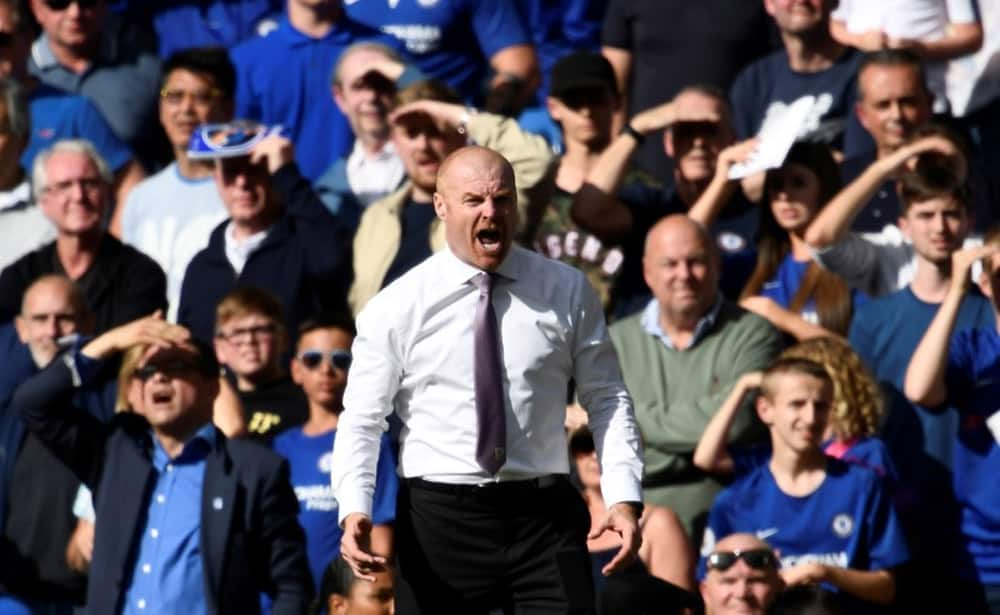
[582,69]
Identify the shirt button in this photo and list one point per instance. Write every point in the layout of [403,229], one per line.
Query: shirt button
[155,533]
[141,603]
[170,467]
[160,499]
[146,568]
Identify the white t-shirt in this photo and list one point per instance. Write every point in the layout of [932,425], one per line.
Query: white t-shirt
[23,226]
[925,20]
[170,218]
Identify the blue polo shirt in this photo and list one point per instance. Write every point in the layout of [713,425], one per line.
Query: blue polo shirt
[205,23]
[449,40]
[56,115]
[284,78]
[123,82]
[167,576]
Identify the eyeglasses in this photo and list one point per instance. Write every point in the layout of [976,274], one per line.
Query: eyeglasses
[689,130]
[245,334]
[87,184]
[758,559]
[170,369]
[202,98]
[312,359]
[58,5]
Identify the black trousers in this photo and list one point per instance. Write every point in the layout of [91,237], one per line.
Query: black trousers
[519,547]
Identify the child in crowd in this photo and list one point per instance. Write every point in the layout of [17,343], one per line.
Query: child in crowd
[786,286]
[963,370]
[830,521]
[322,358]
[250,342]
[342,593]
[849,435]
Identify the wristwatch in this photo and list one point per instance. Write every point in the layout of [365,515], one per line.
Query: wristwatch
[627,129]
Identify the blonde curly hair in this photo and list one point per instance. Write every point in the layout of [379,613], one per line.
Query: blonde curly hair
[857,406]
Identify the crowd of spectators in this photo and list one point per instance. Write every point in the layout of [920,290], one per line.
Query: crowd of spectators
[221,186]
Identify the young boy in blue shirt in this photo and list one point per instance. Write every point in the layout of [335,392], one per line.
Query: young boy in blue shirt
[322,358]
[963,370]
[830,521]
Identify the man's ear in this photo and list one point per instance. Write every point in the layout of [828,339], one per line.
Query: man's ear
[668,142]
[439,206]
[22,329]
[764,409]
[337,604]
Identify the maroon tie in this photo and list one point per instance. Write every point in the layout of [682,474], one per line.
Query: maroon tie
[491,444]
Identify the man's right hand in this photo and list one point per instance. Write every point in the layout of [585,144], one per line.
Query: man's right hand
[356,547]
[909,153]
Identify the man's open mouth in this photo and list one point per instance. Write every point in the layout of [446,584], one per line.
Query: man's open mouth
[489,239]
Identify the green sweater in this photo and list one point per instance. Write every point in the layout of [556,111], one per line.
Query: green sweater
[676,392]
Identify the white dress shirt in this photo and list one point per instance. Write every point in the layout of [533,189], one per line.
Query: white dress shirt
[414,355]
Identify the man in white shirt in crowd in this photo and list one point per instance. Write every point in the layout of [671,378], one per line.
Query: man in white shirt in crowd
[170,215]
[473,350]
[366,78]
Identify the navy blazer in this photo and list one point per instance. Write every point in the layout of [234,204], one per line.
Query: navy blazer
[251,541]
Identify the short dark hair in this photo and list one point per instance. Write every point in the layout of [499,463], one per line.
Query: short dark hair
[327,320]
[212,61]
[792,365]
[892,57]
[338,578]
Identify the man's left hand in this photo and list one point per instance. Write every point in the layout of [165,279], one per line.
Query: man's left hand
[622,520]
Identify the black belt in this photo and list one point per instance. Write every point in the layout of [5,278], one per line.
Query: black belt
[498,487]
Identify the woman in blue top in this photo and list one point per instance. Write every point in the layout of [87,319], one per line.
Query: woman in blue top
[787,287]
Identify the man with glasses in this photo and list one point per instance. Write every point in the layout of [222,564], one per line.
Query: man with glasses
[322,358]
[189,521]
[170,215]
[72,185]
[279,235]
[250,342]
[85,50]
[742,576]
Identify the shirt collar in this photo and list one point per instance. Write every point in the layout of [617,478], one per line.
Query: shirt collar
[650,321]
[20,195]
[293,37]
[456,272]
[195,449]
[107,50]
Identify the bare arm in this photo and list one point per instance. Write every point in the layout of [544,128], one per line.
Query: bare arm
[784,319]
[925,376]
[227,411]
[711,454]
[666,550]
[878,586]
[872,40]
[835,219]
[595,207]
[713,200]
[960,39]
[80,549]
[621,63]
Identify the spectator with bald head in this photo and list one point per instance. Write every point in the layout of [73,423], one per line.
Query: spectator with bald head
[72,184]
[474,349]
[680,358]
[742,576]
[36,490]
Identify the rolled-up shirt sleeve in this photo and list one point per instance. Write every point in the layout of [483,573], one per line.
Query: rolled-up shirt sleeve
[375,376]
[601,391]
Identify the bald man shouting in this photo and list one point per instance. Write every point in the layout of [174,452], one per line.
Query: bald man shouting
[473,350]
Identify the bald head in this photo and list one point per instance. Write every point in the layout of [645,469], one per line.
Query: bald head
[681,268]
[738,586]
[52,307]
[477,201]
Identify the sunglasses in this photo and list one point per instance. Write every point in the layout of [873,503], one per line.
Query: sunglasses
[58,5]
[312,359]
[167,368]
[758,559]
